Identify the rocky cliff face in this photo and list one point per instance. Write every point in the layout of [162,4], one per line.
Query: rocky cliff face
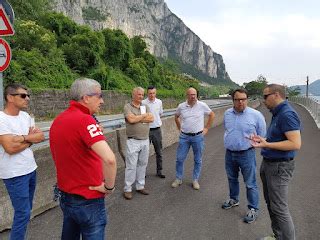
[165,34]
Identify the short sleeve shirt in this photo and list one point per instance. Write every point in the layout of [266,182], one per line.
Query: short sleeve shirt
[72,134]
[192,117]
[137,130]
[284,119]
[156,110]
[21,163]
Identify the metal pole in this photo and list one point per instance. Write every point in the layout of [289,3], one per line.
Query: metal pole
[307,90]
[1,91]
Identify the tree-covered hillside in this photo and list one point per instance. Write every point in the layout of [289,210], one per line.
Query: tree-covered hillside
[49,50]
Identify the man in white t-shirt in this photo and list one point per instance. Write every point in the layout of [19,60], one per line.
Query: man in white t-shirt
[17,163]
[155,135]
[189,119]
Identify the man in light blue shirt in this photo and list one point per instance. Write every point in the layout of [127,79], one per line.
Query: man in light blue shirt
[241,122]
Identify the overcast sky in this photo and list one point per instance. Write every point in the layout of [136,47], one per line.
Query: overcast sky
[279,39]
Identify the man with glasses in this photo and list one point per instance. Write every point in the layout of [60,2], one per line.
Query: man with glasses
[86,166]
[138,117]
[17,163]
[240,123]
[278,151]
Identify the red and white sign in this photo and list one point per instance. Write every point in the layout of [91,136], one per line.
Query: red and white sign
[5,55]
[6,28]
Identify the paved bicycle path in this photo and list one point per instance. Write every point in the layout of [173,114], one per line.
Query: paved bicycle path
[184,213]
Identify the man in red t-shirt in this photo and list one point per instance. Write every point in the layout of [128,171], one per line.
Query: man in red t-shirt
[86,166]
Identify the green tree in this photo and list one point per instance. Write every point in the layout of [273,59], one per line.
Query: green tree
[30,10]
[29,35]
[137,71]
[292,91]
[256,87]
[118,51]
[84,51]
[63,27]
[36,70]
[139,46]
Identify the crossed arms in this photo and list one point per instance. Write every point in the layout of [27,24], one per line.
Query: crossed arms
[13,144]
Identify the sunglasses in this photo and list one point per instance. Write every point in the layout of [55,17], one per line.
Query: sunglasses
[99,95]
[22,95]
[267,95]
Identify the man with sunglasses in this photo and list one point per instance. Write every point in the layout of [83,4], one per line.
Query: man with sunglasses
[17,163]
[86,166]
[241,122]
[278,151]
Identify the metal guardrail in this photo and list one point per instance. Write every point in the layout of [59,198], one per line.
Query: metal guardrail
[118,122]
[311,104]
[111,124]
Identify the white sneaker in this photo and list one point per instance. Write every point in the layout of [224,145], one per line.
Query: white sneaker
[176,183]
[195,185]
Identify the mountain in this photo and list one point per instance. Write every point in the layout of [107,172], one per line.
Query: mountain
[165,33]
[314,88]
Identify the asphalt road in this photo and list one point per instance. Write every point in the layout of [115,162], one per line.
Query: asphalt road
[184,213]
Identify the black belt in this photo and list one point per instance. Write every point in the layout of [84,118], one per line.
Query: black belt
[151,129]
[277,159]
[192,134]
[74,196]
[241,151]
[136,138]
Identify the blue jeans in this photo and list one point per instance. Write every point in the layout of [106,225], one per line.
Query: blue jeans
[21,191]
[246,162]
[86,217]
[197,144]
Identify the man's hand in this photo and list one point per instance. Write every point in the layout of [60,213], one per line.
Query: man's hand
[101,188]
[205,131]
[35,135]
[258,141]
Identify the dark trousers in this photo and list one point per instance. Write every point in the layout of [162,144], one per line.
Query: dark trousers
[275,178]
[155,137]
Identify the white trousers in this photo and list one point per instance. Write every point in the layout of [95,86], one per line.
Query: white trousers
[137,155]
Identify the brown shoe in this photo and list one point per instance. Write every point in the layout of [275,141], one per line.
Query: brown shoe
[143,191]
[127,195]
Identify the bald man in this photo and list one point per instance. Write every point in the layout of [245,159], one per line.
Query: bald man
[189,118]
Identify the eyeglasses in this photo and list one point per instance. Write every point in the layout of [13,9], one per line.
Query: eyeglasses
[22,95]
[267,95]
[99,95]
[239,99]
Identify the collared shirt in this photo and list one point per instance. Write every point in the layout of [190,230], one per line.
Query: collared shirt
[192,117]
[72,134]
[156,110]
[138,130]
[240,125]
[284,119]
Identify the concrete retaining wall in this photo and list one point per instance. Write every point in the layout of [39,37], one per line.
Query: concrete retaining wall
[47,175]
[46,104]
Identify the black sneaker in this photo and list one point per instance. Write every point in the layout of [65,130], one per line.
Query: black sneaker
[251,216]
[230,203]
[160,175]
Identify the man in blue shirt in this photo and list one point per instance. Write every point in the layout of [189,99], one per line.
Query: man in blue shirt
[240,123]
[278,151]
